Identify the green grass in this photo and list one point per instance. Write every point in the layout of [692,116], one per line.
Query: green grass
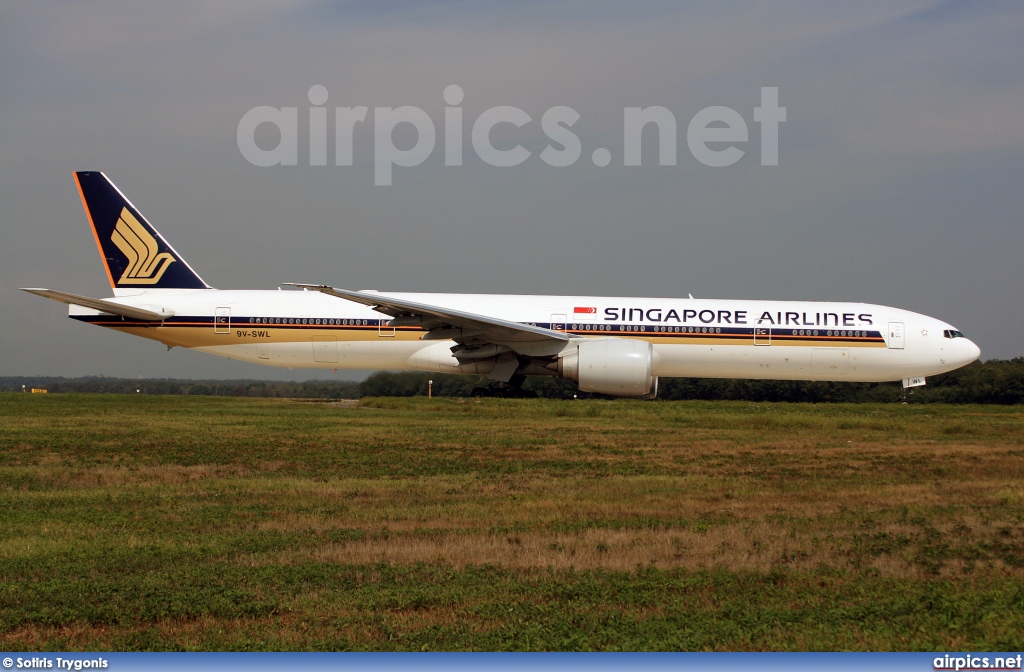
[143,522]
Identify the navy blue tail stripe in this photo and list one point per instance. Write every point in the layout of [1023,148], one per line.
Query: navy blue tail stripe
[135,254]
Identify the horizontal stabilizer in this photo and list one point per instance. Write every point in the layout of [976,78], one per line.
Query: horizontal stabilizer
[101,305]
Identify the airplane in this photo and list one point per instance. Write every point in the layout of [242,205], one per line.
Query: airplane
[615,346]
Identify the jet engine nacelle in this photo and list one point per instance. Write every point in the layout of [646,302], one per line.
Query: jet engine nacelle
[615,366]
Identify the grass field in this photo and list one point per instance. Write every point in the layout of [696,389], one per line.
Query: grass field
[143,522]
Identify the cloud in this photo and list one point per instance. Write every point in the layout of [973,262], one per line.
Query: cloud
[897,159]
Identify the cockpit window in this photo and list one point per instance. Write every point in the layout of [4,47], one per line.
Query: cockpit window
[953,333]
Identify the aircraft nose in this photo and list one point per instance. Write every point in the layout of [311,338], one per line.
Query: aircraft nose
[972,351]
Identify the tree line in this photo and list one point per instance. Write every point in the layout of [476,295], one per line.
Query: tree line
[992,382]
[312,389]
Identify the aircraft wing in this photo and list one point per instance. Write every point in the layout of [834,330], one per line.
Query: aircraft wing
[447,322]
[101,305]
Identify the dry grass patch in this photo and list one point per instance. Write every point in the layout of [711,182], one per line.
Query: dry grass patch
[234,523]
[891,549]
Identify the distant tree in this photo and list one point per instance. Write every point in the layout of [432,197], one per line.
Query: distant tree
[992,382]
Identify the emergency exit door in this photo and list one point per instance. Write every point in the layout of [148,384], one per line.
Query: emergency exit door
[895,339]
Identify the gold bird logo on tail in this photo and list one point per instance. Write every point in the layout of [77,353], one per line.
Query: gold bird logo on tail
[146,264]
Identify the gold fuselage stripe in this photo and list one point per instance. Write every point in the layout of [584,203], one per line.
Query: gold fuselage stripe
[192,334]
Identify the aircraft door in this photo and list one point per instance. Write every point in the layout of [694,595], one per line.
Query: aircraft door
[222,320]
[762,335]
[558,321]
[829,363]
[895,340]
[383,330]
[325,349]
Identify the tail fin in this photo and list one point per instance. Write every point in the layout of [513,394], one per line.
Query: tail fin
[134,253]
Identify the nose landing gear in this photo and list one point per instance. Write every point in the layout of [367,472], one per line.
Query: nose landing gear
[908,387]
[905,393]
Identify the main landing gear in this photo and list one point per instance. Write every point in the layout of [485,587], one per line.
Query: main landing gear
[513,389]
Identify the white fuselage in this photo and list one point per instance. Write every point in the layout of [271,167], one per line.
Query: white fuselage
[784,340]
